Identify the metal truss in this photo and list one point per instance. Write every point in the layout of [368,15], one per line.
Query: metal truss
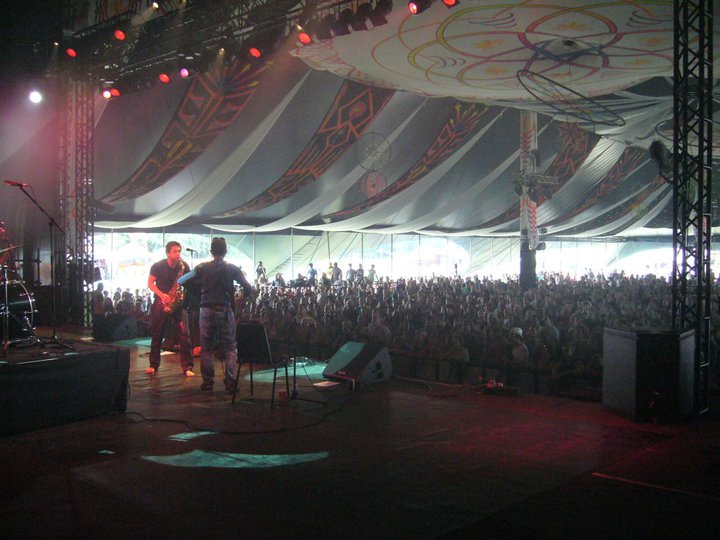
[75,261]
[188,28]
[66,165]
[692,186]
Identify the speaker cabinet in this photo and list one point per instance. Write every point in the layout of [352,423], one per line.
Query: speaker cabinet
[647,375]
[362,363]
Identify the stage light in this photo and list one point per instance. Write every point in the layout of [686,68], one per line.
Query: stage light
[72,53]
[325,26]
[119,35]
[35,97]
[155,5]
[164,78]
[418,6]
[341,26]
[378,17]
[115,92]
[358,22]
[304,38]
[450,3]
[106,93]
[255,52]
[184,73]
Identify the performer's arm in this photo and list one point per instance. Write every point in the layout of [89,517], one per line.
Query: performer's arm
[154,288]
[240,278]
[187,277]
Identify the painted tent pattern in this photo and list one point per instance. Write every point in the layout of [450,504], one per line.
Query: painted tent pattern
[636,205]
[460,126]
[212,103]
[352,111]
[622,169]
[577,145]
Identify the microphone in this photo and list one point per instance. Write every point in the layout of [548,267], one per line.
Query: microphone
[14,183]
[191,250]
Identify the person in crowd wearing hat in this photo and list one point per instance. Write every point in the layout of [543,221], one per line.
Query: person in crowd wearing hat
[519,356]
[166,314]
[217,280]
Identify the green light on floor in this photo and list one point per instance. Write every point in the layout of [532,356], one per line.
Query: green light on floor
[188,435]
[312,371]
[227,460]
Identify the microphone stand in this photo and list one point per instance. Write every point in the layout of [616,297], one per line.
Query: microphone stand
[51,223]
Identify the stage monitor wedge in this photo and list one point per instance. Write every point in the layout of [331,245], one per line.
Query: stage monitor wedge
[362,363]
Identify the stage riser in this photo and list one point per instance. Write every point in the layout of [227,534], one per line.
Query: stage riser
[61,386]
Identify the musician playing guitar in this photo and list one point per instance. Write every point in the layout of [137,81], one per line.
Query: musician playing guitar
[166,312]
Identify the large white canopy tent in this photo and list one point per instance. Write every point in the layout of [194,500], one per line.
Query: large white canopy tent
[409,127]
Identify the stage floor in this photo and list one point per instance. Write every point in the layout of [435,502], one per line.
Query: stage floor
[401,459]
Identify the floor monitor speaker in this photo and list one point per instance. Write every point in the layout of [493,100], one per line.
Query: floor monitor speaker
[362,363]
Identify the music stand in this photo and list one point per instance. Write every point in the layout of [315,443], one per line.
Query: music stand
[253,344]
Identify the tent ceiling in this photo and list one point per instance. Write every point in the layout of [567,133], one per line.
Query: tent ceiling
[411,126]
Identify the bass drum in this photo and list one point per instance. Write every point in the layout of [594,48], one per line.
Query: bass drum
[21,311]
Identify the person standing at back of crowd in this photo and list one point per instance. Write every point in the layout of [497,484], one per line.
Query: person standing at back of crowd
[217,317]
[372,274]
[260,273]
[350,274]
[336,275]
[166,312]
[311,275]
[360,274]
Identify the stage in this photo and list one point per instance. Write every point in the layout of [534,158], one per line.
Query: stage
[398,459]
[49,383]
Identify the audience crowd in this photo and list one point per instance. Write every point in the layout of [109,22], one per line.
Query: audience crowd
[555,328]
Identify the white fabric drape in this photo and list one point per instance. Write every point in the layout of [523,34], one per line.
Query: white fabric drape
[323,201]
[385,209]
[216,180]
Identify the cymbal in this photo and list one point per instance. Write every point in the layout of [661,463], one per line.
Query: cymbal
[8,249]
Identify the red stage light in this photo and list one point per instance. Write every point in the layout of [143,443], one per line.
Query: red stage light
[72,53]
[304,38]
[450,3]
[119,35]
[106,94]
[255,52]
[418,6]
[114,92]
[164,78]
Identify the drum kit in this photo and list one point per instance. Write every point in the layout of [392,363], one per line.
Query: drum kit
[17,307]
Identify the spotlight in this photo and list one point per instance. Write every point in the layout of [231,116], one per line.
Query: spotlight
[324,28]
[663,158]
[35,97]
[164,78]
[255,52]
[341,26]
[115,92]
[379,14]
[358,22]
[72,53]
[119,35]
[106,93]
[418,6]
[304,37]
[450,3]
[184,72]
[155,5]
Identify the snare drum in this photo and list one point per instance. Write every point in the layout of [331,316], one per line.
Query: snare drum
[21,311]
